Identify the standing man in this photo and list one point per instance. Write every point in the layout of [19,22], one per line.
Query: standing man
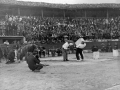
[1,54]
[6,49]
[65,48]
[16,46]
[80,44]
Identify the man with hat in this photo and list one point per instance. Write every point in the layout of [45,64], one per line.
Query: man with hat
[65,48]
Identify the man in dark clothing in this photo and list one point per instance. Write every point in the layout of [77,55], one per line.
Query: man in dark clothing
[33,62]
[23,50]
[115,46]
[40,51]
[95,51]
[103,48]
[53,51]
[43,52]
[36,53]
[10,57]
[94,48]
[32,48]
[115,49]
[59,52]
[109,47]
[1,54]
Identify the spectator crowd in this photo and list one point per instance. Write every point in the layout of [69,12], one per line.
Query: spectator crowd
[52,29]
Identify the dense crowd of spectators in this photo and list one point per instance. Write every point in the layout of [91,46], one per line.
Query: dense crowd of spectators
[52,29]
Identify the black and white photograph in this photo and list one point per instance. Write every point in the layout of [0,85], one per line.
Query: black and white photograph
[59,44]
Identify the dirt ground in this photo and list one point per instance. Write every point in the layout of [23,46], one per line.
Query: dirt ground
[102,74]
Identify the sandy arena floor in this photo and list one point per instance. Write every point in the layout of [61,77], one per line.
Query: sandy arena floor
[102,74]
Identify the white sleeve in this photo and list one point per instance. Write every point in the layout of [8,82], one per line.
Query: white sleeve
[78,45]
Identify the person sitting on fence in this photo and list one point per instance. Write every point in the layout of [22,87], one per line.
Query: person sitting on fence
[115,49]
[95,52]
[6,42]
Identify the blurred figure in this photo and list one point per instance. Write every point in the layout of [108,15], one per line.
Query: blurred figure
[115,50]
[31,48]
[115,46]
[11,57]
[16,46]
[42,51]
[80,45]
[6,49]
[53,52]
[95,52]
[36,53]
[22,51]
[48,52]
[33,62]
[59,52]
[6,42]
[1,54]
[103,48]
[65,48]
[109,47]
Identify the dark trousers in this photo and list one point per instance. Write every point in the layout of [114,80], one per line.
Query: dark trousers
[79,51]
[65,54]
[37,67]
[41,53]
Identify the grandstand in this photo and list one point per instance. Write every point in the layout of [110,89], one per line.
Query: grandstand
[46,21]
[14,7]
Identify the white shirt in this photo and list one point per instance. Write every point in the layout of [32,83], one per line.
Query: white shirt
[79,43]
[65,45]
[7,43]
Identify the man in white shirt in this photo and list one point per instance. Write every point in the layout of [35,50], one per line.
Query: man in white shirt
[65,47]
[6,42]
[80,44]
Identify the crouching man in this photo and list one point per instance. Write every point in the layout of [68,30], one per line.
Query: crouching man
[33,62]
